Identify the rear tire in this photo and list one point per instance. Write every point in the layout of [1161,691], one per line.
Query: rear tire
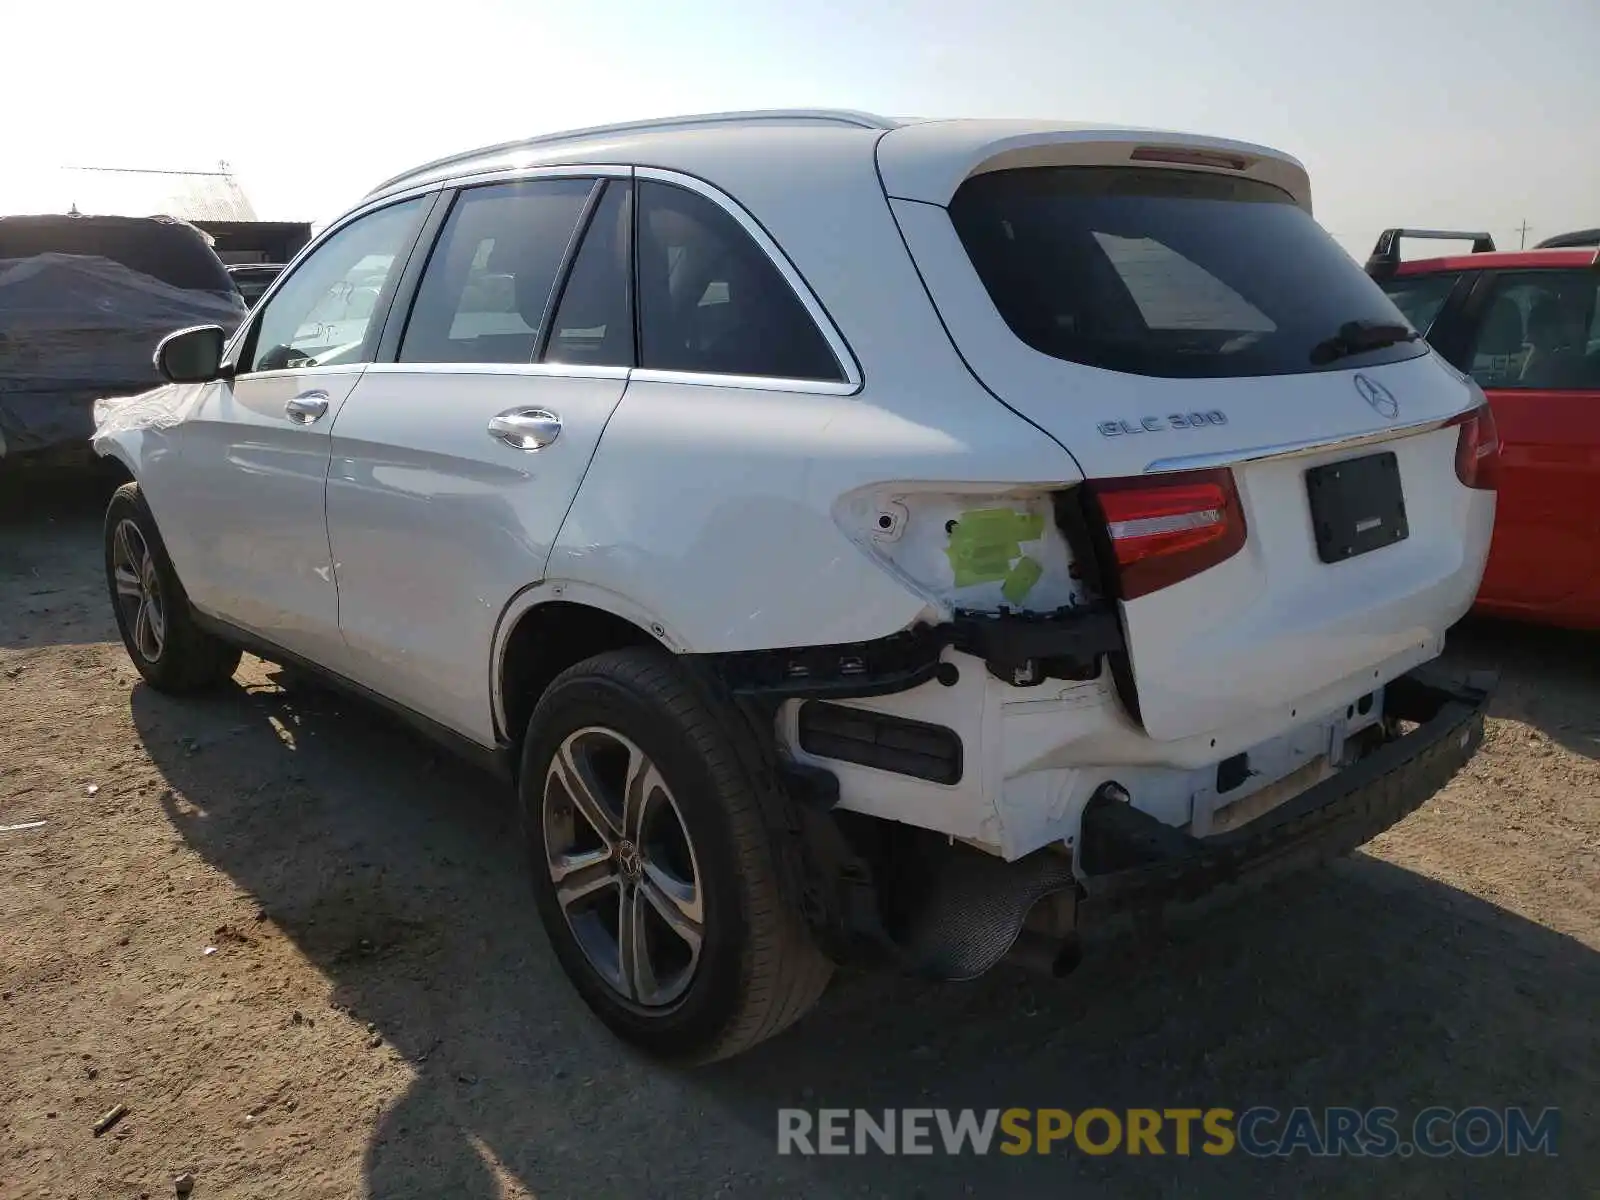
[717,959]
[153,615]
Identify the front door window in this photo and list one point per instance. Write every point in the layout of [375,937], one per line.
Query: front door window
[322,315]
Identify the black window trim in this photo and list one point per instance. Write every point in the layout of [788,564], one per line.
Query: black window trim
[569,259]
[242,345]
[399,312]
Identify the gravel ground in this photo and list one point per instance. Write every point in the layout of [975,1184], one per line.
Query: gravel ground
[381,1016]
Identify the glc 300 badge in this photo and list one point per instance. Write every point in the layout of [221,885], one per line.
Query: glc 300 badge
[1194,420]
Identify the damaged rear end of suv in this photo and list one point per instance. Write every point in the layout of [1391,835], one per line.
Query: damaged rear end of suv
[1200,656]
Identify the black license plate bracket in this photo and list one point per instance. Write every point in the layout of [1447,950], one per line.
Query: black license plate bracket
[1357,506]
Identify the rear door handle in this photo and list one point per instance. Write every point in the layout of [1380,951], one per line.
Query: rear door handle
[525,428]
[307,407]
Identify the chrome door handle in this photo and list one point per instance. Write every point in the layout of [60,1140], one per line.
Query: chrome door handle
[307,407]
[525,428]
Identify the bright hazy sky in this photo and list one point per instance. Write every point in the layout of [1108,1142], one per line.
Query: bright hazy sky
[1469,114]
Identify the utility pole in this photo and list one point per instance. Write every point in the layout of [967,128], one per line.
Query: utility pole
[1523,230]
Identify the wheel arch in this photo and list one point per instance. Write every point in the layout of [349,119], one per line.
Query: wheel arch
[115,460]
[550,627]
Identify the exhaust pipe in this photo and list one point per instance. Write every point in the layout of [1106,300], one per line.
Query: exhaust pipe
[974,907]
[1056,957]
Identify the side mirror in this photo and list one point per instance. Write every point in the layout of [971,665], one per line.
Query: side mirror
[192,355]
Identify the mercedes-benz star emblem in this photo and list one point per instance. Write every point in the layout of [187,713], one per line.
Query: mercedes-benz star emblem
[1380,397]
[629,861]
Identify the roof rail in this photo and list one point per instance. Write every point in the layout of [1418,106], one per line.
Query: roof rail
[1577,240]
[837,116]
[1386,254]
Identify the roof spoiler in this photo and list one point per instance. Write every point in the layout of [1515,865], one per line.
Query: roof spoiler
[1577,240]
[1386,254]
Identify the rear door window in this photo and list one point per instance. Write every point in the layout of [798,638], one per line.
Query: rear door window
[1540,331]
[711,301]
[487,285]
[1167,273]
[1421,297]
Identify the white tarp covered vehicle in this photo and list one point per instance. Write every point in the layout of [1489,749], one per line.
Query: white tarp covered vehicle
[857,540]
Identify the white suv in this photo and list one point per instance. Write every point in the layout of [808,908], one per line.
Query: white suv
[858,541]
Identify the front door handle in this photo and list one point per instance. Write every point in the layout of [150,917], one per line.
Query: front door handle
[307,407]
[525,428]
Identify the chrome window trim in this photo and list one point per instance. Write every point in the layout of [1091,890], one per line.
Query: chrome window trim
[548,370]
[319,369]
[1349,441]
[842,353]
[755,383]
[545,369]
[512,173]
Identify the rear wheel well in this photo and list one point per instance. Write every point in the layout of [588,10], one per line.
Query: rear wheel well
[546,640]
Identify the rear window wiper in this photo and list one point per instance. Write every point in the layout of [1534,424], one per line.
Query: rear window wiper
[1357,337]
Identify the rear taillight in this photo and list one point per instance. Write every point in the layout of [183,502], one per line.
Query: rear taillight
[1478,449]
[1167,528]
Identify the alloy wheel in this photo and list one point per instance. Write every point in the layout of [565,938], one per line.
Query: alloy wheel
[139,591]
[624,867]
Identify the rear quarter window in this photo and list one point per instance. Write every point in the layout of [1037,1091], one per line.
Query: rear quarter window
[1165,272]
[712,302]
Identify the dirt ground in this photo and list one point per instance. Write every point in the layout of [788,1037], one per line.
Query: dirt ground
[381,1016]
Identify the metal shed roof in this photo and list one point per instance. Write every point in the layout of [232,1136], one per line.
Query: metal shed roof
[129,192]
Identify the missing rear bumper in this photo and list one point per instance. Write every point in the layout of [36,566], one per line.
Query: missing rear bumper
[1132,861]
[1021,648]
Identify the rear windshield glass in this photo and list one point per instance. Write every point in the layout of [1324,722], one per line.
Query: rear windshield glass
[175,254]
[1170,273]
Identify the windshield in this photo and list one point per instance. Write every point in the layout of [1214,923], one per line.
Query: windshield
[1167,273]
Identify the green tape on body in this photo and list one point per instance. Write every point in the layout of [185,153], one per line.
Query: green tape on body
[1019,582]
[986,541]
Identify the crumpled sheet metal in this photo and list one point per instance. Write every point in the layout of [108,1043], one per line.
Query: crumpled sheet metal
[75,328]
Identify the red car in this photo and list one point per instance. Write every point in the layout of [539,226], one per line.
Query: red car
[1526,325]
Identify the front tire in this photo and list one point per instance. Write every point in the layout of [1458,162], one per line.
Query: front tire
[652,866]
[153,615]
